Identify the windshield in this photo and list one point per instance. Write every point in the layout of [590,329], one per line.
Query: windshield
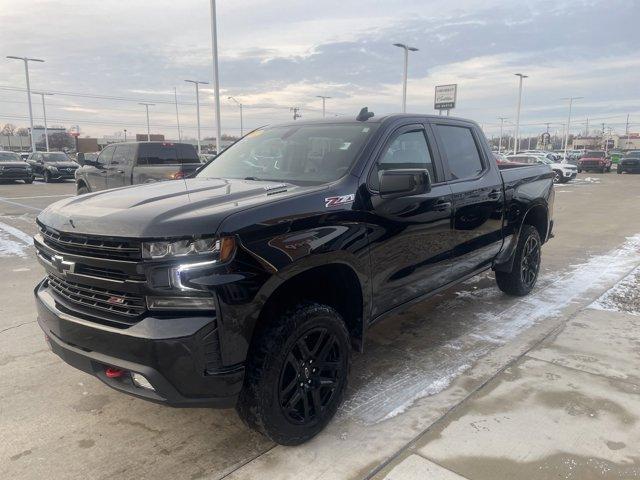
[545,160]
[306,154]
[594,155]
[55,157]
[9,157]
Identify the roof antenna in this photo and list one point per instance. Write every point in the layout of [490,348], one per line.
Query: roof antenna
[364,115]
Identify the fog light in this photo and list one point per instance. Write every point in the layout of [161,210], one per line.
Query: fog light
[141,381]
[180,303]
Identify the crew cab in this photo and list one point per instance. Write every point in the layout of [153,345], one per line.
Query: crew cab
[132,163]
[52,166]
[250,283]
[595,160]
[563,172]
[12,167]
[630,162]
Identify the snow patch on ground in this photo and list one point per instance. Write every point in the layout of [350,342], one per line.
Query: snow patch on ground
[13,242]
[623,297]
[387,391]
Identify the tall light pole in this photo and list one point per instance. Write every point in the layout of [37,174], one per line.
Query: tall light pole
[146,106]
[216,81]
[566,137]
[197,83]
[516,141]
[502,119]
[26,61]
[44,114]
[406,49]
[240,105]
[175,98]
[324,99]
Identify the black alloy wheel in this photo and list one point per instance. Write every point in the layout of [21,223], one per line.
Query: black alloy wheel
[530,263]
[310,375]
[557,176]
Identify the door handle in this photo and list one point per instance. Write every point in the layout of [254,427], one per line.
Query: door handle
[441,206]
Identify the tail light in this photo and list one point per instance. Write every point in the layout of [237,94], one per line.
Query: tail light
[178,175]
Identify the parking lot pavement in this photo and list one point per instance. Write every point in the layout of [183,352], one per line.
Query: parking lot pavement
[567,409]
[438,357]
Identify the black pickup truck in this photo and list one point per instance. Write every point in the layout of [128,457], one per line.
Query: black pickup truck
[250,284]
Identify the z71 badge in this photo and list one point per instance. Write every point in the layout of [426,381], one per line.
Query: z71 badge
[340,200]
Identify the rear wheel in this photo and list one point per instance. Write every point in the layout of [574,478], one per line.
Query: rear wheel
[47,177]
[526,264]
[296,374]
[82,189]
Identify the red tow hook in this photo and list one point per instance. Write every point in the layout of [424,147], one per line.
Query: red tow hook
[112,372]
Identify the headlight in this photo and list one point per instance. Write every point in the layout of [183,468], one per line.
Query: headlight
[52,168]
[221,247]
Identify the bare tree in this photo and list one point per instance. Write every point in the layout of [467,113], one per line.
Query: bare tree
[8,129]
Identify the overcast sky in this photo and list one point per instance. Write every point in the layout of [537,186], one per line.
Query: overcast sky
[275,54]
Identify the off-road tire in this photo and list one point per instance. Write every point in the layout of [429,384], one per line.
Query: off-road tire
[260,401]
[515,282]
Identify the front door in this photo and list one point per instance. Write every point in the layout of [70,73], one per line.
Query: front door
[478,196]
[410,242]
[97,175]
[120,166]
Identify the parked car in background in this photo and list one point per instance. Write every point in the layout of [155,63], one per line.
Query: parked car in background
[596,161]
[563,172]
[630,162]
[24,155]
[52,166]
[123,164]
[12,167]
[250,284]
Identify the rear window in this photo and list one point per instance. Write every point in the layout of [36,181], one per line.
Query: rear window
[166,154]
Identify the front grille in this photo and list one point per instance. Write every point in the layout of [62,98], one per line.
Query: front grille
[121,304]
[92,246]
[590,163]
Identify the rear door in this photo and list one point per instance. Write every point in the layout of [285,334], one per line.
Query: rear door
[410,236]
[478,196]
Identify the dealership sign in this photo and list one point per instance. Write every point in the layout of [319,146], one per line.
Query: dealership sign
[445,98]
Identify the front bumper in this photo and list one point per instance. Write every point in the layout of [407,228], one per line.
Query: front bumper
[569,174]
[15,175]
[62,175]
[170,352]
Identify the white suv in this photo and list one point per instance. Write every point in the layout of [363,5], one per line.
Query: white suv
[563,171]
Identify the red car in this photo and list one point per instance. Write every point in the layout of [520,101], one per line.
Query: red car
[596,160]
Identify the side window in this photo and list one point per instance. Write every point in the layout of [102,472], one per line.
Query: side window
[461,151]
[407,150]
[105,156]
[122,156]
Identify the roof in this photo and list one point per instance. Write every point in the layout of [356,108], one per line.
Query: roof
[351,120]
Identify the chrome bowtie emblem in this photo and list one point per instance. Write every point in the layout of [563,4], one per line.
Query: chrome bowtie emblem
[62,266]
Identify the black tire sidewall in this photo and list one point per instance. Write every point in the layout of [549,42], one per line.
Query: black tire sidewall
[263,387]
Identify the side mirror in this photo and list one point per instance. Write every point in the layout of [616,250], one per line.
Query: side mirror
[404,183]
[80,158]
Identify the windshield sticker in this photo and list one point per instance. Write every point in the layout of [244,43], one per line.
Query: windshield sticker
[365,130]
[340,200]
[345,146]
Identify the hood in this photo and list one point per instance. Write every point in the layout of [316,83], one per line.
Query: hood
[196,206]
[15,164]
[61,164]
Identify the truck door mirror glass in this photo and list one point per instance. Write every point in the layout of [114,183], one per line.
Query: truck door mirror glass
[406,182]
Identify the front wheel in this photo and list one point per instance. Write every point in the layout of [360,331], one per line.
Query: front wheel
[81,190]
[579,170]
[47,177]
[526,264]
[619,170]
[296,374]
[557,176]
[28,180]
